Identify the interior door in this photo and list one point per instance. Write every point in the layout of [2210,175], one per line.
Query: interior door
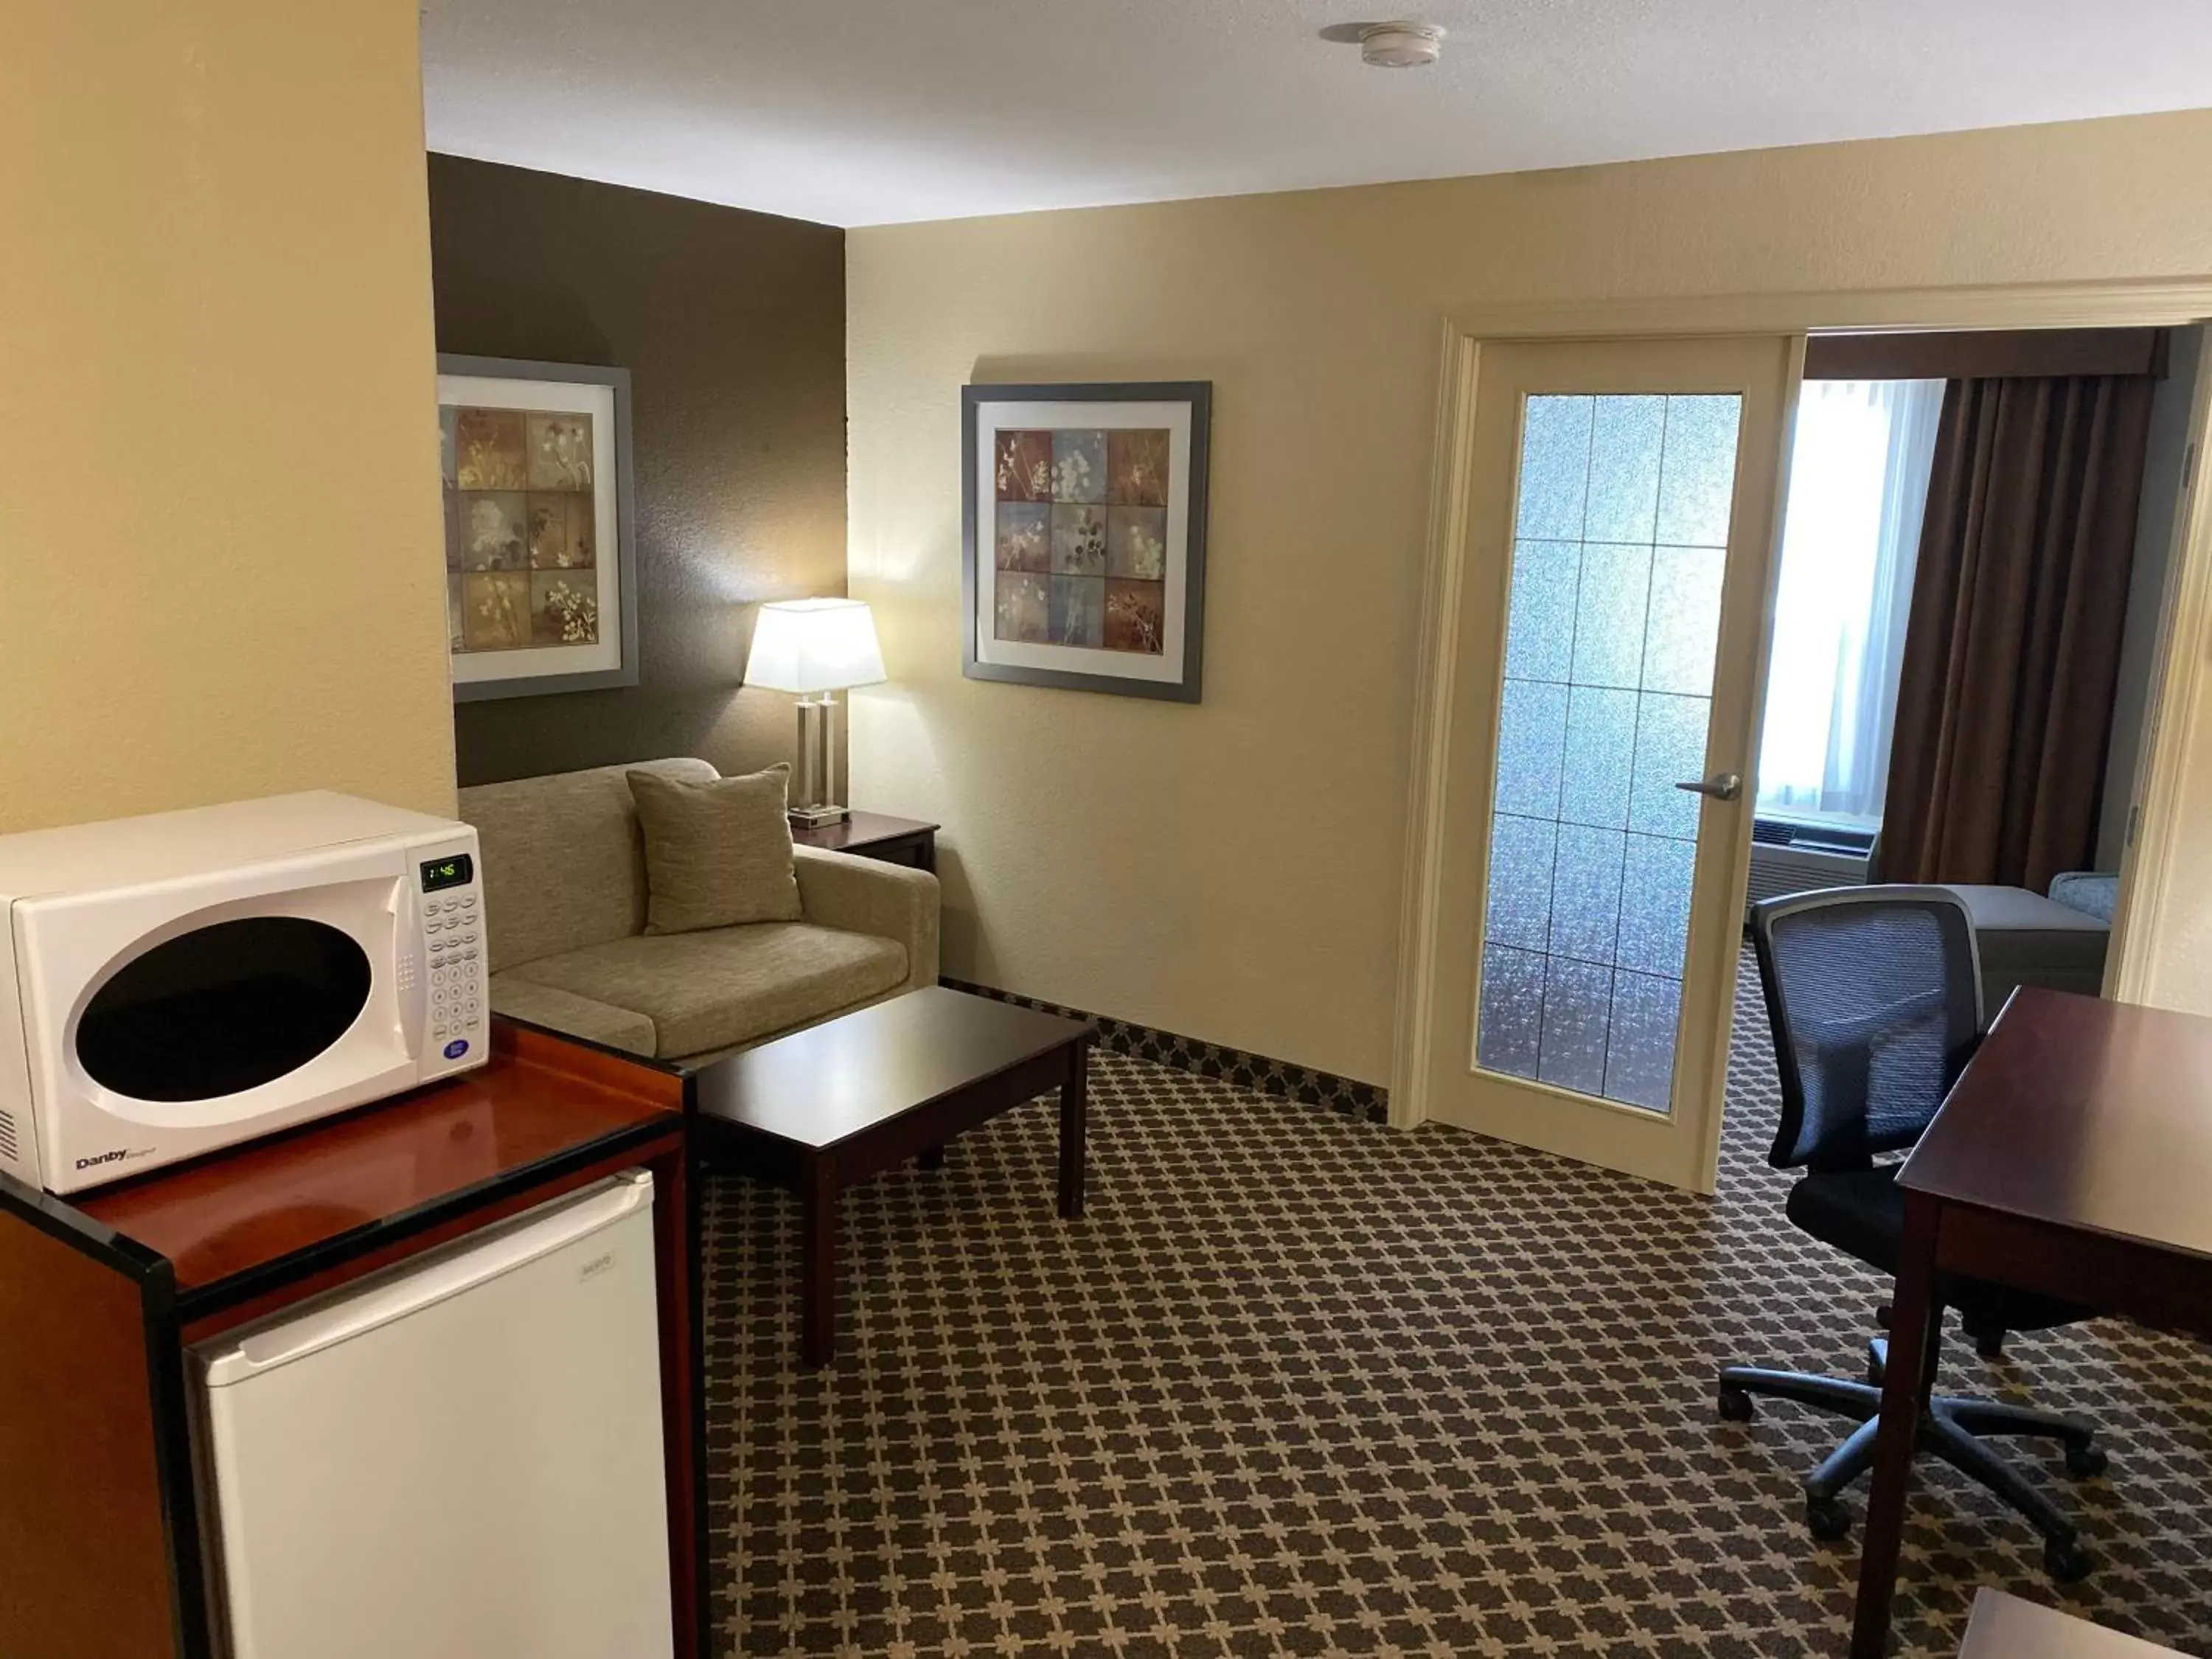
[1597,803]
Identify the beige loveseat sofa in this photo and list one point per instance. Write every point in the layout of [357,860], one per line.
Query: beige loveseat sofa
[565,894]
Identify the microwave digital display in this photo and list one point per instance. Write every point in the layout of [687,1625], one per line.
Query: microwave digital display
[455,871]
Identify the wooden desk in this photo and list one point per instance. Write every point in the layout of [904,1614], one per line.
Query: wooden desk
[2072,1158]
[99,1294]
[2005,1627]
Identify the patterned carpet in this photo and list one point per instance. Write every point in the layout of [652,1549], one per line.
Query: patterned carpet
[1300,1384]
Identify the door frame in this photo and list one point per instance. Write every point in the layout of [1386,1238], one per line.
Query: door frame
[1761,371]
[2137,304]
[2153,849]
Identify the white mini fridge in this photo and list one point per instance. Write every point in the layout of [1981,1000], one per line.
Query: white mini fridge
[461,1459]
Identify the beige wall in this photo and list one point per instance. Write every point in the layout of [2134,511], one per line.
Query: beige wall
[219,567]
[1232,871]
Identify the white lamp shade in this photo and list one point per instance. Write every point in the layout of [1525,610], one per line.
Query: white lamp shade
[814,645]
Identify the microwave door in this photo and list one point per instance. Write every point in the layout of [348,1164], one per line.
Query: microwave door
[169,1019]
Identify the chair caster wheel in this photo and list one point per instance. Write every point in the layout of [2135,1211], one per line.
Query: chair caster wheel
[1828,1520]
[2087,1462]
[1735,1405]
[2065,1562]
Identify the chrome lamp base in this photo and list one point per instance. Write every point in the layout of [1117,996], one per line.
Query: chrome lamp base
[814,779]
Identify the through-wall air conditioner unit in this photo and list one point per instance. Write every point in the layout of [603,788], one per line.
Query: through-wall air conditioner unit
[1795,858]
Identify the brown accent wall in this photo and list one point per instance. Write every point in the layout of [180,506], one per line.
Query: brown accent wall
[732,327]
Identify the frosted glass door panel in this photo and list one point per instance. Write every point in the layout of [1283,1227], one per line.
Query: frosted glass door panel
[1621,527]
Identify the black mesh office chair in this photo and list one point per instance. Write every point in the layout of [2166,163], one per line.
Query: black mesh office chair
[1874,995]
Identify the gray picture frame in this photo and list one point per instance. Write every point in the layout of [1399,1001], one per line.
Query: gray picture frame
[617,381]
[976,561]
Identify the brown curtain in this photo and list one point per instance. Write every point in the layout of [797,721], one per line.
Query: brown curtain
[2004,699]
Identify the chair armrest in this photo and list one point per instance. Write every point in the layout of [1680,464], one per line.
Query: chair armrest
[866,895]
[564,1011]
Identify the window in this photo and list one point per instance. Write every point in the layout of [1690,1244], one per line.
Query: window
[1858,487]
[223,1008]
[1612,619]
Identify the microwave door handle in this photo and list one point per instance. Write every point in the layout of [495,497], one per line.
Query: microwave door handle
[413,986]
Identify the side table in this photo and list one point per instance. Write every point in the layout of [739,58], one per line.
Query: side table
[909,842]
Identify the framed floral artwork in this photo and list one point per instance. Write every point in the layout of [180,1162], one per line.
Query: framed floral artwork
[1084,531]
[541,589]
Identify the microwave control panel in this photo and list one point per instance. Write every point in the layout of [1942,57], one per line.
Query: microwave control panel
[457,1022]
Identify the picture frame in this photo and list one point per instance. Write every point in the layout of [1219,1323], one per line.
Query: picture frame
[541,563]
[1083,535]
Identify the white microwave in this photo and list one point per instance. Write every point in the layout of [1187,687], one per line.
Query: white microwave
[179,982]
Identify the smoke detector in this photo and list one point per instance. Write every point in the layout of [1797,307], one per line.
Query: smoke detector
[1400,46]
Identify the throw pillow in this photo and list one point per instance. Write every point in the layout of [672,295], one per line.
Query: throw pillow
[716,853]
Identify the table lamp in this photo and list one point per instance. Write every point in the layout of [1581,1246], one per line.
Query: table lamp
[816,647]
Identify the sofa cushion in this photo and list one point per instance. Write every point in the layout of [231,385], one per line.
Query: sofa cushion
[717,850]
[726,985]
[563,865]
[564,1011]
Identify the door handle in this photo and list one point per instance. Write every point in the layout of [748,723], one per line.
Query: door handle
[1722,786]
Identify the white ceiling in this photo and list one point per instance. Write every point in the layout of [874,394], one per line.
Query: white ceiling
[869,111]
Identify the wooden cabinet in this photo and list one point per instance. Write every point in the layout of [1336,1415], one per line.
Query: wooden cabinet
[100,1524]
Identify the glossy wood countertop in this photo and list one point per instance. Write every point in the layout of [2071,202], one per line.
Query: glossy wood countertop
[2085,1114]
[348,1181]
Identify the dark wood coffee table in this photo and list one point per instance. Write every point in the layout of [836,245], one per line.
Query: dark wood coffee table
[819,1109]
